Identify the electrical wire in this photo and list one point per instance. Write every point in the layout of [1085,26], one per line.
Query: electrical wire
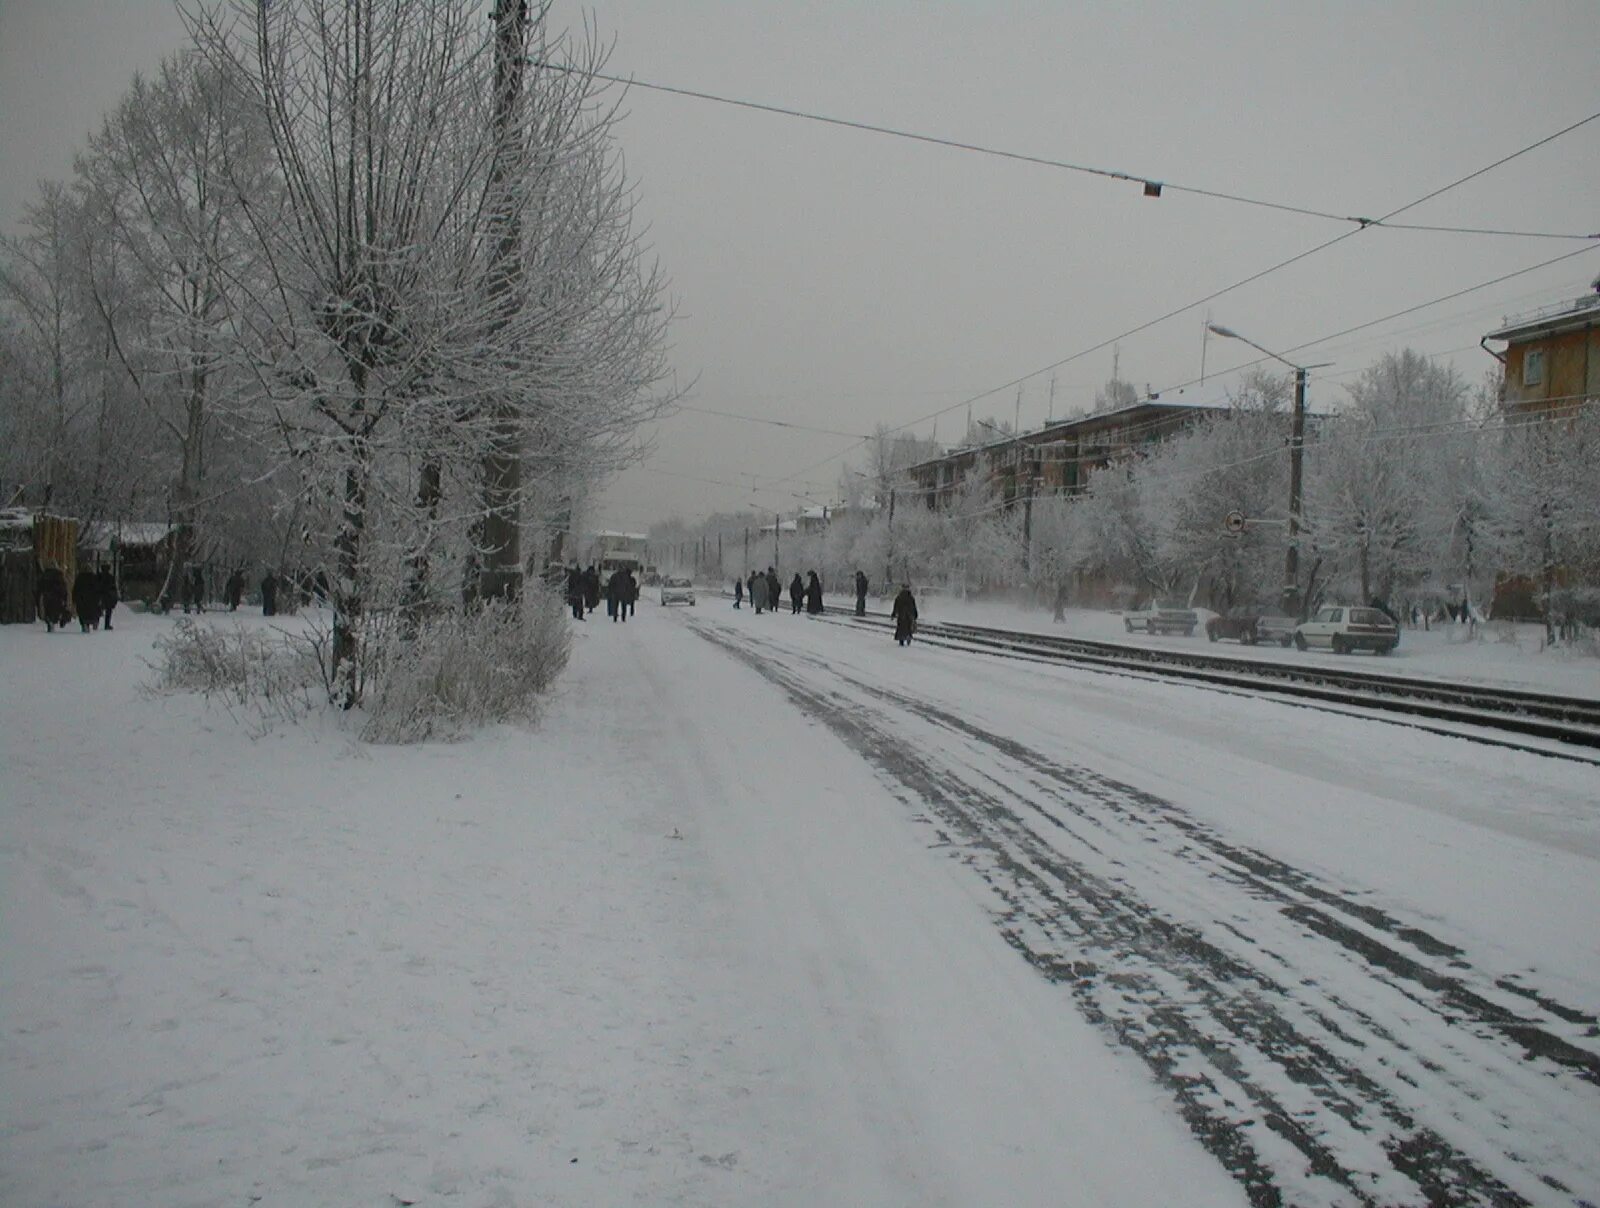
[1153,185]
[776,423]
[1532,268]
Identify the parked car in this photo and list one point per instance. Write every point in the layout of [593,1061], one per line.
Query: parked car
[1248,628]
[1234,627]
[1162,616]
[1343,629]
[1275,627]
[677,590]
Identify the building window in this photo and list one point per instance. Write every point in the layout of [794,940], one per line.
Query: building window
[1533,367]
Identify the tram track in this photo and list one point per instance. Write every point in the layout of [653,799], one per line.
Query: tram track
[1564,727]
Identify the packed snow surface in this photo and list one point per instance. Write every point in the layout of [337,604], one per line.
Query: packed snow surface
[771,911]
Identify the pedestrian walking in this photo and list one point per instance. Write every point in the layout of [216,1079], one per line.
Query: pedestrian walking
[905,615]
[738,592]
[797,594]
[234,590]
[197,587]
[106,581]
[51,595]
[269,595]
[86,600]
[591,589]
[758,591]
[814,595]
[575,591]
[774,589]
[628,595]
[861,594]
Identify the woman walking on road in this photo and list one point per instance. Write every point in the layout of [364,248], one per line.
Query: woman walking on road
[905,615]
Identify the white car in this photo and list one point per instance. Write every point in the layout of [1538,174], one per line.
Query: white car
[1342,629]
[677,590]
[1162,616]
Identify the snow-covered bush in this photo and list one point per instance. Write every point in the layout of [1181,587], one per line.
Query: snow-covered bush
[267,676]
[462,669]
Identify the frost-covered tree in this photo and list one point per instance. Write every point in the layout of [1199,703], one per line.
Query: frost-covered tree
[1373,469]
[1186,487]
[160,182]
[1549,507]
[456,294]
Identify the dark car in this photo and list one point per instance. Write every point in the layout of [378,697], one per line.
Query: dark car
[1234,627]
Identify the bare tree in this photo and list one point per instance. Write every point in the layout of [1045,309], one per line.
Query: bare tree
[164,247]
[408,332]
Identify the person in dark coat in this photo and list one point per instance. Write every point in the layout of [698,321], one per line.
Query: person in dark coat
[197,587]
[613,587]
[797,594]
[774,589]
[269,595]
[86,601]
[52,597]
[109,596]
[814,594]
[738,592]
[630,593]
[234,590]
[576,591]
[905,615]
[591,589]
[861,594]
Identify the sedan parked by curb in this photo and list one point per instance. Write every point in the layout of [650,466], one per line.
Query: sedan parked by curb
[1343,630]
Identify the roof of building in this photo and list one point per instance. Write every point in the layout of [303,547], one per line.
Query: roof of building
[102,533]
[1550,320]
[1094,419]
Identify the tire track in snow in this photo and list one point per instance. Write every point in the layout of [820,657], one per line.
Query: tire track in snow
[1302,1093]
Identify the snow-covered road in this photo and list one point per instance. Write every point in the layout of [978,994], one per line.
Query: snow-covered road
[771,911]
[1329,1042]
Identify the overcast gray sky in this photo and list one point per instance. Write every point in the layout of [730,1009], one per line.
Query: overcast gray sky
[839,279]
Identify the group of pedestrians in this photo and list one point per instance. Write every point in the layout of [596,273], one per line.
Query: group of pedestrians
[621,592]
[766,593]
[94,594]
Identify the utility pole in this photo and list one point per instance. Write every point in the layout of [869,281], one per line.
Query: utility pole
[777,521]
[1292,602]
[888,564]
[501,577]
[1291,564]
[746,574]
[1027,514]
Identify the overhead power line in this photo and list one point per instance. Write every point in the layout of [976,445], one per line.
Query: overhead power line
[1398,314]
[776,423]
[1153,186]
[1253,277]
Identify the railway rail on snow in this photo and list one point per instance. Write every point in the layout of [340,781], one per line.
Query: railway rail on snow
[1503,716]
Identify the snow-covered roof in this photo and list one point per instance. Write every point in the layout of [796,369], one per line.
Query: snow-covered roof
[1549,320]
[101,534]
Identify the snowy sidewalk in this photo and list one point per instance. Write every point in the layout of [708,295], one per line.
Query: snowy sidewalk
[677,946]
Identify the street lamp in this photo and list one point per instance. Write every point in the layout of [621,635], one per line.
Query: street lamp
[1291,562]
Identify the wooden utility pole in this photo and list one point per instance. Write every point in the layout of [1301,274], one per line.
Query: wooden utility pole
[502,466]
